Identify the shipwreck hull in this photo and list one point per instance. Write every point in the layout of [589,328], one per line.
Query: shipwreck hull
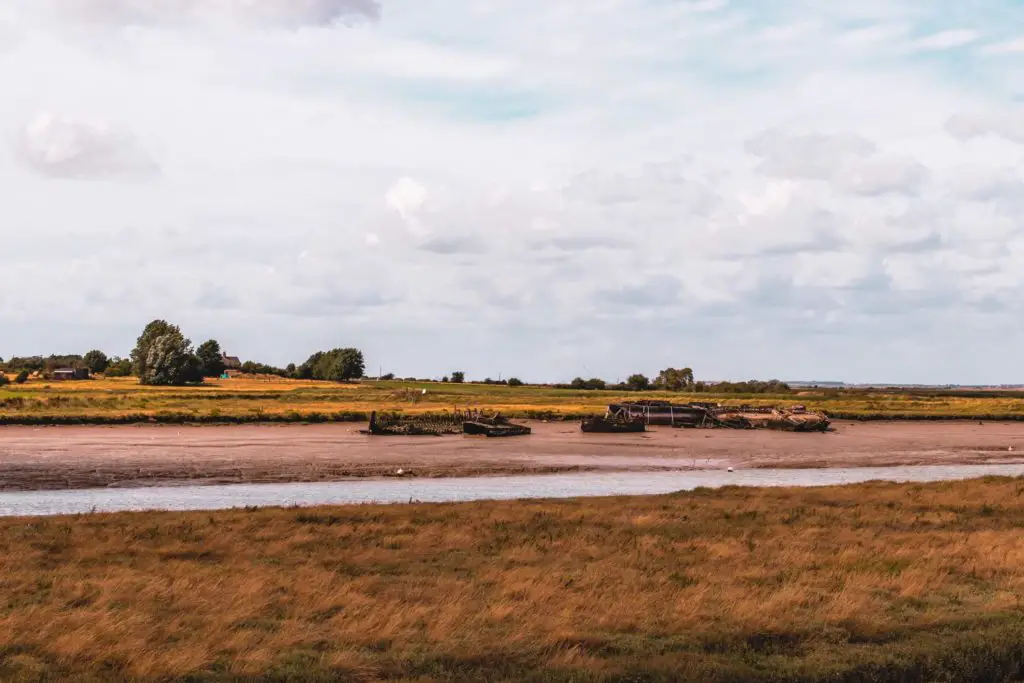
[603,425]
[397,425]
[712,415]
[494,430]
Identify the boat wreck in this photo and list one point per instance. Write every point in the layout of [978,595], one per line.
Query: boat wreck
[391,424]
[621,417]
[493,426]
[613,424]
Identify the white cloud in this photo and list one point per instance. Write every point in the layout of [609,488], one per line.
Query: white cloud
[946,40]
[68,148]
[1008,124]
[1008,47]
[261,12]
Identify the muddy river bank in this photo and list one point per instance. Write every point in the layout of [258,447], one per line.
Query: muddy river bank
[55,458]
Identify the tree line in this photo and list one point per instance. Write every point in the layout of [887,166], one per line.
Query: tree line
[678,380]
[164,356]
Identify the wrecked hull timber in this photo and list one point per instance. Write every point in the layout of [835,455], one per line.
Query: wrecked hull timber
[713,415]
[415,425]
[494,426]
[491,430]
[604,425]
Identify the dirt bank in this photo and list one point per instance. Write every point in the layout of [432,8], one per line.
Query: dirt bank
[35,458]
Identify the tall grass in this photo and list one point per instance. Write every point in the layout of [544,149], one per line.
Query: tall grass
[877,582]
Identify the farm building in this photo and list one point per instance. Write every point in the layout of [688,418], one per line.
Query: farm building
[231,362]
[70,373]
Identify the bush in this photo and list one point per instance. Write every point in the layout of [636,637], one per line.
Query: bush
[22,377]
[638,382]
[3,380]
[119,367]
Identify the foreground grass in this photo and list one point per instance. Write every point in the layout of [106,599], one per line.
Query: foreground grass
[878,582]
[262,400]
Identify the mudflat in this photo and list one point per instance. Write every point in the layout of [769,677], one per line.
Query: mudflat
[48,458]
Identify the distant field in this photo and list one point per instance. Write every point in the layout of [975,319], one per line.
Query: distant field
[257,399]
[877,582]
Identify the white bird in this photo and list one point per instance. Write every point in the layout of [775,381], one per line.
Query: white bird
[730,469]
[400,471]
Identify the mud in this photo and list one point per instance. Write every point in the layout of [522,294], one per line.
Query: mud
[49,458]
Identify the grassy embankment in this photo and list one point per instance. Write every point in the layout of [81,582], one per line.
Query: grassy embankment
[877,582]
[261,400]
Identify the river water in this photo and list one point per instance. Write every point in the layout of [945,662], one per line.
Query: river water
[465,489]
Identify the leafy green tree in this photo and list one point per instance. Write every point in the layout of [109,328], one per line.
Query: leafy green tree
[22,377]
[96,361]
[578,383]
[4,381]
[671,379]
[308,369]
[638,382]
[336,365]
[210,358]
[458,377]
[119,367]
[515,382]
[163,356]
[152,331]
[343,365]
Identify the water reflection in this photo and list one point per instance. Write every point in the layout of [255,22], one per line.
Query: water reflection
[478,488]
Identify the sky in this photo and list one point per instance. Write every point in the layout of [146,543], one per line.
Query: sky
[531,188]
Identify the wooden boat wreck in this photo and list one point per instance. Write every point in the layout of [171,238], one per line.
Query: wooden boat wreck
[414,425]
[708,415]
[494,426]
[609,424]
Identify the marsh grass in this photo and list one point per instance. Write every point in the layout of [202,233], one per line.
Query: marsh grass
[241,400]
[874,582]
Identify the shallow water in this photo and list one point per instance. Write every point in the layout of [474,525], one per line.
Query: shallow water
[476,488]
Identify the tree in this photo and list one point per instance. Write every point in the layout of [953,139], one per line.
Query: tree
[336,365]
[22,377]
[3,380]
[671,379]
[578,383]
[152,331]
[638,382]
[163,356]
[458,377]
[343,365]
[96,361]
[210,358]
[119,367]
[515,382]
[307,369]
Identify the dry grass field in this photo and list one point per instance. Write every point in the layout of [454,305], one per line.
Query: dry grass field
[878,582]
[272,399]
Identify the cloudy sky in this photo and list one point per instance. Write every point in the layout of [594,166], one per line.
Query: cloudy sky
[540,188]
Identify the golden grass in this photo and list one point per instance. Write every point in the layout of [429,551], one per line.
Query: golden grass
[247,398]
[741,584]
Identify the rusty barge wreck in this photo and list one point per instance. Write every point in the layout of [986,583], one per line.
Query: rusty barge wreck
[472,423]
[635,416]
